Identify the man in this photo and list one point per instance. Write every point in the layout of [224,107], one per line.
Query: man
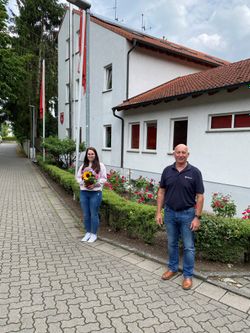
[181,193]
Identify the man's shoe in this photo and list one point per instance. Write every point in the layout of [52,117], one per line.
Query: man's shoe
[187,283]
[168,275]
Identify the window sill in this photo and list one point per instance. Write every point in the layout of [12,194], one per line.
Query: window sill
[228,130]
[133,150]
[106,149]
[106,91]
[149,152]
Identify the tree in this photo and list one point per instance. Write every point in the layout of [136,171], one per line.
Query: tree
[35,30]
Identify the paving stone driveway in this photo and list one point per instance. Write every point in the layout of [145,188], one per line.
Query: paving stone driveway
[51,282]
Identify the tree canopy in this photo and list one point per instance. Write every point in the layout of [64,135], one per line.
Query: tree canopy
[30,36]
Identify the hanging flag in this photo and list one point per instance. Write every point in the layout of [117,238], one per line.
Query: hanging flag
[42,92]
[82,52]
[41,98]
[84,65]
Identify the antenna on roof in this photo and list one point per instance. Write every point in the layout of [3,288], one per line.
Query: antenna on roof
[143,27]
[115,9]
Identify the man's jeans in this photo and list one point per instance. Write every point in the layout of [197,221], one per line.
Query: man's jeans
[90,203]
[178,226]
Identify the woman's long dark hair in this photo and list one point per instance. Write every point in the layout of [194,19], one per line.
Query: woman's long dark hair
[95,164]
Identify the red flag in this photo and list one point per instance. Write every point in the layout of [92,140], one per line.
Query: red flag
[80,42]
[84,65]
[42,92]
[41,98]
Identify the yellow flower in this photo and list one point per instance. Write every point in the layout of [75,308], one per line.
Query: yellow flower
[87,175]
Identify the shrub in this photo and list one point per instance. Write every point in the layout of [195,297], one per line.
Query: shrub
[120,214]
[223,239]
[223,205]
[61,151]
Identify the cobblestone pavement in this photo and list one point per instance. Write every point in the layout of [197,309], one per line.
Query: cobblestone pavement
[51,282]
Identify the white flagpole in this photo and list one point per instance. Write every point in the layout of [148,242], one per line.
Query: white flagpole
[43,83]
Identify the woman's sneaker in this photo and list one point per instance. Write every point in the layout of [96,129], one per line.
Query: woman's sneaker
[92,238]
[86,237]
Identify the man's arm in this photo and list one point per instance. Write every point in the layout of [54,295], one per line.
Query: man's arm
[160,203]
[195,225]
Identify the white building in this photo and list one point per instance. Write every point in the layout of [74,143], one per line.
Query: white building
[125,63]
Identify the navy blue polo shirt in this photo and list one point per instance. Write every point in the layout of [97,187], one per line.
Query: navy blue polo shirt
[181,187]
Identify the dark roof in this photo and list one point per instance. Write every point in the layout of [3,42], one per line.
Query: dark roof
[212,80]
[161,45]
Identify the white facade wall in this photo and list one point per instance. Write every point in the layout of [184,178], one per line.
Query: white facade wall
[222,156]
[149,69]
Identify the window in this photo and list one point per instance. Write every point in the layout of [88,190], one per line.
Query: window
[77,90]
[135,136]
[151,135]
[221,121]
[179,132]
[108,78]
[67,49]
[242,120]
[67,93]
[107,136]
[230,121]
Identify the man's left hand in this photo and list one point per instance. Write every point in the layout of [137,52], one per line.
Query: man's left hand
[195,225]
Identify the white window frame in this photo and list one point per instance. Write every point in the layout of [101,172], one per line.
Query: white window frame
[145,132]
[231,129]
[171,132]
[108,69]
[105,137]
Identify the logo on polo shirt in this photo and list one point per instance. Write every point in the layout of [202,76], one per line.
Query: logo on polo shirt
[188,177]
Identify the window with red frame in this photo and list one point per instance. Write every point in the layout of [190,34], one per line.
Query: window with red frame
[151,136]
[135,136]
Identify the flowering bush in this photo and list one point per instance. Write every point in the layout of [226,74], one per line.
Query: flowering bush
[246,214]
[223,205]
[141,190]
[116,182]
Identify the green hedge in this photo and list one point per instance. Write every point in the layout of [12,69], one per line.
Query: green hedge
[120,214]
[219,239]
[9,138]
[223,239]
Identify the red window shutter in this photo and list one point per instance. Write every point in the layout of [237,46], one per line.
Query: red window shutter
[151,136]
[135,136]
[221,122]
[242,120]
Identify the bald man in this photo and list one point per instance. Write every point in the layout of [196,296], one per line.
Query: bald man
[181,194]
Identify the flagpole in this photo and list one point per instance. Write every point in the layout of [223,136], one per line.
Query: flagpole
[43,83]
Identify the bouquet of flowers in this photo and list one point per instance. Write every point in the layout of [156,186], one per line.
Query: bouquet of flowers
[89,176]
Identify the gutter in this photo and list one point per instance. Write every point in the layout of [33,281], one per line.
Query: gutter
[122,136]
[127,91]
[127,79]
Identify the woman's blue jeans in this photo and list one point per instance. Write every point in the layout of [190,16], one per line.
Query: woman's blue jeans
[90,203]
[178,226]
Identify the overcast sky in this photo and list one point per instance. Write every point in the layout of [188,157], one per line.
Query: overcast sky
[218,27]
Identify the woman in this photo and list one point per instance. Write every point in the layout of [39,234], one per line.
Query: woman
[91,176]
